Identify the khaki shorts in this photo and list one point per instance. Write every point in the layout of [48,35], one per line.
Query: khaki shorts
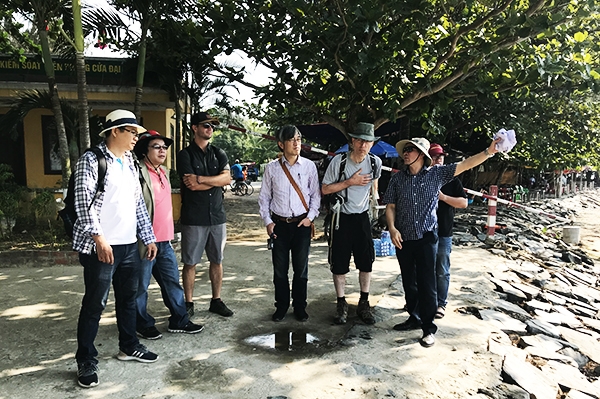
[196,239]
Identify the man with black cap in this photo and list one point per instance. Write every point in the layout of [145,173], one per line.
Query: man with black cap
[151,150]
[451,196]
[351,178]
[105,235]
[289,201]
[412,199]
[203,169]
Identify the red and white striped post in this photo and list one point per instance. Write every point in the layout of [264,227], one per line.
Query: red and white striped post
[491,219]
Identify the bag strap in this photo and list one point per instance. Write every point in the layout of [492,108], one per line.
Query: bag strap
[293,182]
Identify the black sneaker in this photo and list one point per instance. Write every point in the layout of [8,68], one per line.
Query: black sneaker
[189,306]
[341,312]
[87,374]
[218,306]
[300,314]
[140,353]
[409,324]
[363,311]
[149,333]
[279,314]
[189,328]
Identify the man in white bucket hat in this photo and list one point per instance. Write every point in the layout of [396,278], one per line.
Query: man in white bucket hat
[412,201]
[105,235]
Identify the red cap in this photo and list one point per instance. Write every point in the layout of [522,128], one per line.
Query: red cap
[436,149]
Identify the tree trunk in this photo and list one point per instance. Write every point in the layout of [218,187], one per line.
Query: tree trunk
[82,103]
[139,80]
[63,144]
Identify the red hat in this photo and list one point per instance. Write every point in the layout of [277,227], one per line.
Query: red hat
[435,150]
[141,147]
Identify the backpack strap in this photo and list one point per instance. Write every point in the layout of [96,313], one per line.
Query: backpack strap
[342,170]
[101,168]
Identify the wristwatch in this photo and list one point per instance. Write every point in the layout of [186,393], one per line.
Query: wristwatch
[487,153]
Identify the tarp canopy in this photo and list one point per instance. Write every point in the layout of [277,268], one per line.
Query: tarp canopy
[380,148]
[325,134]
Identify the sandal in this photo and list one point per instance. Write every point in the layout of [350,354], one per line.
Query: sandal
[441,312]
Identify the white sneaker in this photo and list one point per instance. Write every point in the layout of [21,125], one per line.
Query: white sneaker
[427,340]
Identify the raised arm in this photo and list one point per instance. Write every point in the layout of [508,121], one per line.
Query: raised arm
[477,159]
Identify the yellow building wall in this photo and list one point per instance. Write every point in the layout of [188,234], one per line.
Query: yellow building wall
[34,147]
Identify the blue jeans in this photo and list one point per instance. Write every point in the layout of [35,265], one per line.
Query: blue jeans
[166,273]
[442,269]
[97,276]
[296,240]
[417,265]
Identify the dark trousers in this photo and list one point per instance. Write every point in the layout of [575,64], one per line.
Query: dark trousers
[97,277]
[294,239]
[417,265]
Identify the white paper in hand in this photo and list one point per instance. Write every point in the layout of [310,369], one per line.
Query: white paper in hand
[509,140]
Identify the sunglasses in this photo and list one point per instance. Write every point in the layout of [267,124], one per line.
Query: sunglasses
[160,147]
[207,125]
[408,149]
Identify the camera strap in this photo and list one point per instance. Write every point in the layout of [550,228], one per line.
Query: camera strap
[295,185]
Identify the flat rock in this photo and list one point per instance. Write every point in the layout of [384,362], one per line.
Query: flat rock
[553,298]
[569,377]
[551,318]
[586,344]
[529,290]
[529,378]
[541,341]
[500,344]
[580,359]
[591,323]
[535,304]
[502,321]
[541,327]
[568,318]
[512,310]
[550,355]
[513,294]
[573,394]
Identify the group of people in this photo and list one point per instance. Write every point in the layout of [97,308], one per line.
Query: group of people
[123,233]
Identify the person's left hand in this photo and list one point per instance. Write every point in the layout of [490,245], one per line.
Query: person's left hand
[152,251]
[304,222]
[492,148]
[190,181]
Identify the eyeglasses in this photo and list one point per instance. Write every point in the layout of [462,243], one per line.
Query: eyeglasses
[133,132]
[408,150]
[160,147]
[207,125]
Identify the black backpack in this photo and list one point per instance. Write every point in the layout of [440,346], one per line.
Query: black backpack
[68,214]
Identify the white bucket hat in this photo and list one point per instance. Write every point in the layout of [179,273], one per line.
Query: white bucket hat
[421,143]
[120,118]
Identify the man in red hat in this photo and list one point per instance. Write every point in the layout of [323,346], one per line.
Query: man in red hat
[451,196]
[151,151]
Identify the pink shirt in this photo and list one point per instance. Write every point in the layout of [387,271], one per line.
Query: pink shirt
[164,230]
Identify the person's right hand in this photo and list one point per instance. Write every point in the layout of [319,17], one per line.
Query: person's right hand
[396,238]
[271,229]
[359,180]
[104,250]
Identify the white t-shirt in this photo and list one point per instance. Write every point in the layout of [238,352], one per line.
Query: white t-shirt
[118,213]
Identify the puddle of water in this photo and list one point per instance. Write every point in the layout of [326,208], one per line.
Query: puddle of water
[284,341]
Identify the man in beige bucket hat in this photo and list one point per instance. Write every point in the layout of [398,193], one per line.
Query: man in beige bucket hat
[412,201]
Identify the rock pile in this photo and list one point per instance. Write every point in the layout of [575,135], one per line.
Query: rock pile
[548,304]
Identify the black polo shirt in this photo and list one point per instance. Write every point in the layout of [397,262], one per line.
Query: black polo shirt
[445,212]
[202,208]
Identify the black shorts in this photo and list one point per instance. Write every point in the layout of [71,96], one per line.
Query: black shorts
[352,238]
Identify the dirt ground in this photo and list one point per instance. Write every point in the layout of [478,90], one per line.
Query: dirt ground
[248,355]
